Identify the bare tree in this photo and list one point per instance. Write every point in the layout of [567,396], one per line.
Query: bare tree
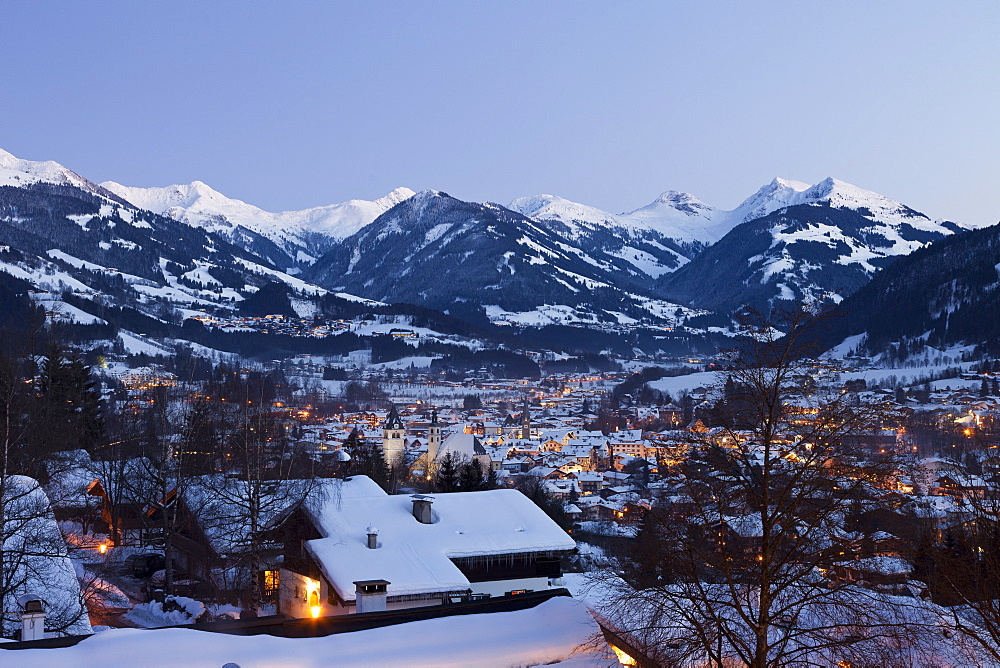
[180,430]
[740,566]
[961,567]
[262,477]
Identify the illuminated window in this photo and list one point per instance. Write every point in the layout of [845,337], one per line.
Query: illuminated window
[271,582]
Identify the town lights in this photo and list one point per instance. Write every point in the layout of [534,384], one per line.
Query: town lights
[314,611]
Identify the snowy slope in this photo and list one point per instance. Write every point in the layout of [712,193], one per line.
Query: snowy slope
[777,194]
[19,173]
[673,215]
[679,216]
[438,251]
[198,204]
[796,242]
[683,224]
[656,240]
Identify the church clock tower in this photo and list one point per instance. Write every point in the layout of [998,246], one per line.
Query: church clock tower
[393,435]
[433,438]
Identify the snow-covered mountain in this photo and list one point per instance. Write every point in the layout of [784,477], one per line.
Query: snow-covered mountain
[803,242]
[75,240]
[110,274]
[545,259]
[943,295]
[673,215]
[457,256]
[19,173]
[650,250]
[303,235]
[680,216]
[665,234]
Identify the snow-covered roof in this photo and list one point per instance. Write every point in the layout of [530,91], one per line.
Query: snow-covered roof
[886,565]
[224,504]
[416,558]
[464,446]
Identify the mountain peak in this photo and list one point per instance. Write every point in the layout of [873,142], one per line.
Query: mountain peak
[778,182]
[675,196]
[830,189]
[682,201]
[398,194]
[777,194]
[553,207]
[19,172]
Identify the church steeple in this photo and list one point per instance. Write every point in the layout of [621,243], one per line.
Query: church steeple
[393,435]
[433,437]
[525,420]
[393,421]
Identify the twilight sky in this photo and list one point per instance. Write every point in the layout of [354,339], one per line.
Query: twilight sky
[299,103]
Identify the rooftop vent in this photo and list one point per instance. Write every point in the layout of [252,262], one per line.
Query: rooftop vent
[422,508]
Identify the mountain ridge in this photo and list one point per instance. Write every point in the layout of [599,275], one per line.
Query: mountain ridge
[786,242]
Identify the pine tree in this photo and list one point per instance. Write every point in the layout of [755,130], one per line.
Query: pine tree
[67,412]
[448,477]
[367,459]
[472,477]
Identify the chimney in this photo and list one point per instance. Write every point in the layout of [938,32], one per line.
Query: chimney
[370,595]
[372,538]
[422,508]
[32,617]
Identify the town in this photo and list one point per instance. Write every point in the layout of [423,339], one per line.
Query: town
[302,488]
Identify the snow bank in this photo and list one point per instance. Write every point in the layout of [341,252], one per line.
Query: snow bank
[551,633]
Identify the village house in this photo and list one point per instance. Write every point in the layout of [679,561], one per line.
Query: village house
[390,552]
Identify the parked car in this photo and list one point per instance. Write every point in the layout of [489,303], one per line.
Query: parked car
[144,565]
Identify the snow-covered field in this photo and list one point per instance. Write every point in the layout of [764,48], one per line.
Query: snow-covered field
[677,384]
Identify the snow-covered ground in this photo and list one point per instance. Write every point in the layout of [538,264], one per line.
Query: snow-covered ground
[405,363]
[153,615]
[557,632]
[676,384]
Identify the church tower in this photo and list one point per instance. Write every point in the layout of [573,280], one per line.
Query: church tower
[525,420]
[433,438]
[393,435]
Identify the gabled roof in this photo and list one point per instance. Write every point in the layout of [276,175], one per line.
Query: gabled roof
[463,445]
[416,558]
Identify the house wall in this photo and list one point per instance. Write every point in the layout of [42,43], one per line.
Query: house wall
[501,587]
[350,609]
[297,593]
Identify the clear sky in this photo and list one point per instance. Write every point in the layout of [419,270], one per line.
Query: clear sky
[290,104]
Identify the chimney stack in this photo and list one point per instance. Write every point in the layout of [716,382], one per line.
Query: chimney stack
[422,508]
[372,538]
[370,595]
[32,617]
